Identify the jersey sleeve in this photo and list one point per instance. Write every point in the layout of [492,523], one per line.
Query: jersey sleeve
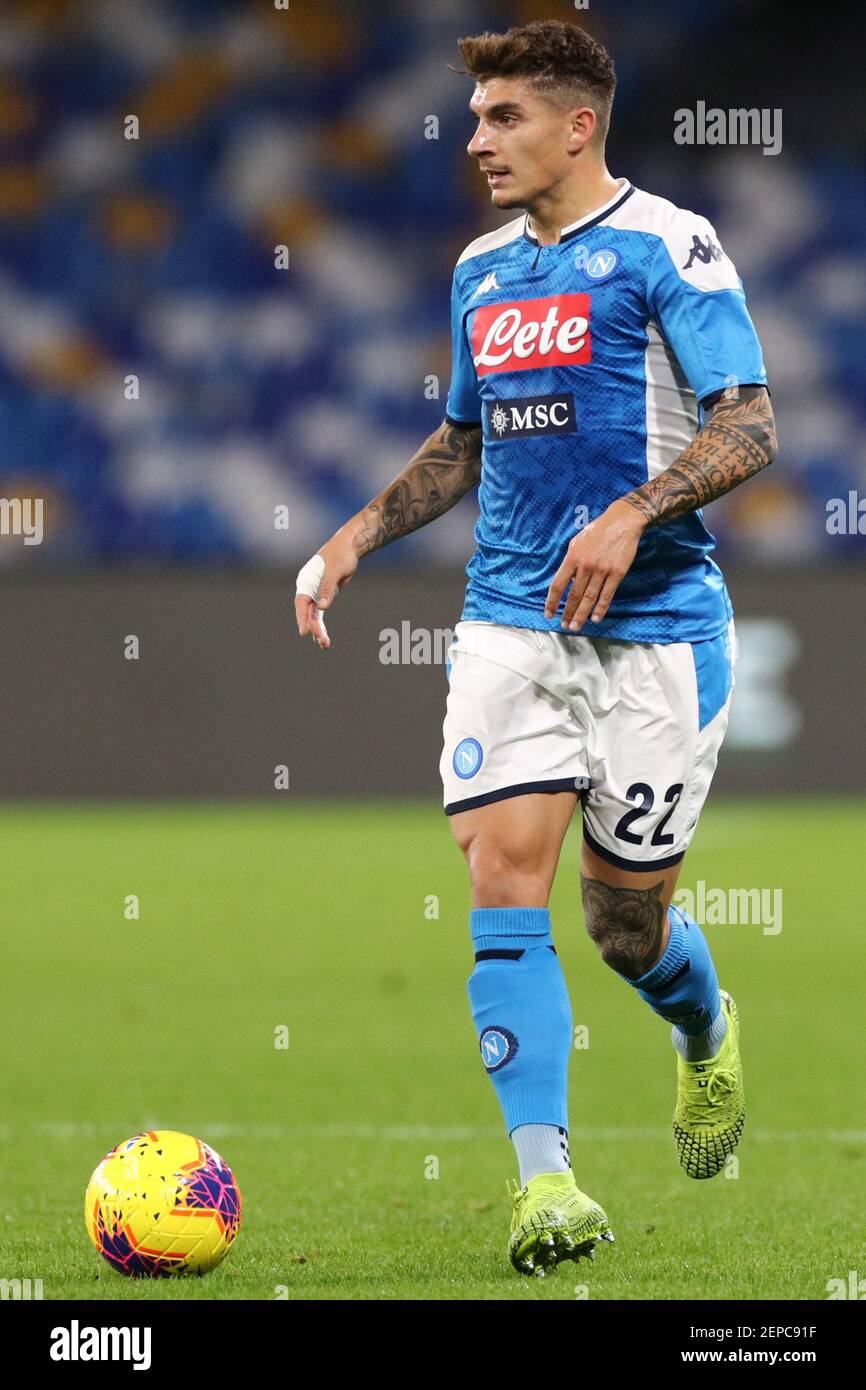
[463,406]
[696,297]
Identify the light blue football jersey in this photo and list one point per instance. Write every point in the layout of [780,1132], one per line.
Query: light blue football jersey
[585,362]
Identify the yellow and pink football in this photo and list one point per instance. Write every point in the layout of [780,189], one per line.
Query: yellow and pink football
[163,1203]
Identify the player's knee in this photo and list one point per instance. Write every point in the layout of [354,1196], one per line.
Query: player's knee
[616,943]
[503,877]
[626,925]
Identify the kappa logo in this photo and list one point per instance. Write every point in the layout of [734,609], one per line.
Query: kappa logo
[487,284]
[702,253]
[551,332]
[498,1046]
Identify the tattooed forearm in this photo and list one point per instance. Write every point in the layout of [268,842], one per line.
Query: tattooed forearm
[738,440]
[627,924]
[446,467]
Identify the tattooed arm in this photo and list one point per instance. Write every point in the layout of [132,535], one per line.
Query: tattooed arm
[737,440]
[447,466]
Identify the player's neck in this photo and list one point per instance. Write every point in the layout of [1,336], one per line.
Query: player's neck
[551,214]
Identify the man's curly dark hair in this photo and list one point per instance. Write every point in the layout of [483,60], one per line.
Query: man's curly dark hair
[562,61]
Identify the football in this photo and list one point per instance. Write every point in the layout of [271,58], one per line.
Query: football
[162,1203]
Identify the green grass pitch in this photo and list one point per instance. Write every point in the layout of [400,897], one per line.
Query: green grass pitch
[371,1152]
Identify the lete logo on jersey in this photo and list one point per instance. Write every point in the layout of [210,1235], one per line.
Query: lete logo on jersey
[551,332]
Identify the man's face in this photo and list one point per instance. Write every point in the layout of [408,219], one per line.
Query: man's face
[521,143]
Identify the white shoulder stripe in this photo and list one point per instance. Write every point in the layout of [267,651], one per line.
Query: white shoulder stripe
[646,212]
[691,240]
[491,241]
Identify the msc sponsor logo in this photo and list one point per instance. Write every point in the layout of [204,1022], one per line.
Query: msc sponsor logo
[524,415]
[551,332]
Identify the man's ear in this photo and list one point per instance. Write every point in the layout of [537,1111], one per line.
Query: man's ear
[583,126]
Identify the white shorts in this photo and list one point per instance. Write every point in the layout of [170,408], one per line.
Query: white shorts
[633,727]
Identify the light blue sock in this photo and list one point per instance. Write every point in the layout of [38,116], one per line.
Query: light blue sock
[684,989]
[522,1014]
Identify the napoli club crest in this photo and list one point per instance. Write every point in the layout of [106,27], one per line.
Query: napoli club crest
[498,1046]
[468,757]
[600,264]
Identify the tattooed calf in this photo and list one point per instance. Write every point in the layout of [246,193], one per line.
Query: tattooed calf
[627,924]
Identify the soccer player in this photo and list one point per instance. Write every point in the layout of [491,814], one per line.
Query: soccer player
[607,382]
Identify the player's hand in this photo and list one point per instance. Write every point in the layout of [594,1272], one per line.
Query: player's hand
[318,583]
[596,560]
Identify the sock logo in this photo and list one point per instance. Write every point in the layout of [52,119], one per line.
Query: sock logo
[498,1046]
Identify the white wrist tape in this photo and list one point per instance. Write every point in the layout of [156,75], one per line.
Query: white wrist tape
[310,577]
[309,582]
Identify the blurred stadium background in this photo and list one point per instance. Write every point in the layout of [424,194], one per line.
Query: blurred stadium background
[307,127]
[164,386]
